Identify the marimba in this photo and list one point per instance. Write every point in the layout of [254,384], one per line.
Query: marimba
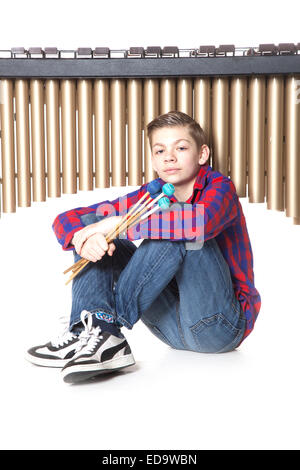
[75,120]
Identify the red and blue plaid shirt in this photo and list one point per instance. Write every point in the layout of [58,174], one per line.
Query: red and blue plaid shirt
[223,219]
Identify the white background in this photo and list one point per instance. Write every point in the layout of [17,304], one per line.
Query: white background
[247,399]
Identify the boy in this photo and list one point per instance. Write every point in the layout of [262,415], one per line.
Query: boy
[201,299]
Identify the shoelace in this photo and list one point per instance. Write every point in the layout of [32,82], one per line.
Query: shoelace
[90,335]
[65,336]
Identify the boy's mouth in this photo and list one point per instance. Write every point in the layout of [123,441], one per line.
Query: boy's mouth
[171,170]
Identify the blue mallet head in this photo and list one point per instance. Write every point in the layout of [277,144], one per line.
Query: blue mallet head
[168,189]
[154,188]
[164,203]
[154,196]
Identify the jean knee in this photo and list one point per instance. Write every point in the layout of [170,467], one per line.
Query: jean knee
[155,247]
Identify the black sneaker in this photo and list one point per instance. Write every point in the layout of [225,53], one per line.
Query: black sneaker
[55,353]
[97,352]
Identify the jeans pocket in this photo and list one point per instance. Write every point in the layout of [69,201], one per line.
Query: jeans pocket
[215,334]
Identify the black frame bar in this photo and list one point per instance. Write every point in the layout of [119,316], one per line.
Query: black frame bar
[148,67]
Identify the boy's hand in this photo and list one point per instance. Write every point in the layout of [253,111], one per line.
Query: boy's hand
[104,227]
[95,247]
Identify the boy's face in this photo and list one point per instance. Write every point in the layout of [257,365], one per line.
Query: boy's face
[175,157]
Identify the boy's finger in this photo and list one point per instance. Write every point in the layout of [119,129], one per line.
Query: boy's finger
[91,255]
[96,249]
[111,248]
[104,245]
[78,248]
[79,243]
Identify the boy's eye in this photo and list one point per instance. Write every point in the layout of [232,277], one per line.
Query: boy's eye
[180,148]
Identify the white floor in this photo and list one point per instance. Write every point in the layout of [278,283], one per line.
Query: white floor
[247,399]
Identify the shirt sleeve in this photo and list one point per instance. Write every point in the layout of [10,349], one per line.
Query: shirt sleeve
[220,207]
[66,224]
[216,209]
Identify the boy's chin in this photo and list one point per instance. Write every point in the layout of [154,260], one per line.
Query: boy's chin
[166,176]
[173,178]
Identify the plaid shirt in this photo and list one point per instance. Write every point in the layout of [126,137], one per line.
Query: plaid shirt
[223,219]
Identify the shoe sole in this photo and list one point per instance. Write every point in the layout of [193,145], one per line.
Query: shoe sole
[80,372]
[39,361]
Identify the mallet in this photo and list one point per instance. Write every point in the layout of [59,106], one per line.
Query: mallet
[136,211]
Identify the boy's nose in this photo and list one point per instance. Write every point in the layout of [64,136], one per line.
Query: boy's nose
[170,156]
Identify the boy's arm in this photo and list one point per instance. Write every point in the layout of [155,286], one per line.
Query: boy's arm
[215,211]
[104,227]
[66,224]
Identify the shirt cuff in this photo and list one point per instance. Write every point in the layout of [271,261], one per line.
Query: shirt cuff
[67,246]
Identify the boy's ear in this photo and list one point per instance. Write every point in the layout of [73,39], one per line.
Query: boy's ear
[204,154]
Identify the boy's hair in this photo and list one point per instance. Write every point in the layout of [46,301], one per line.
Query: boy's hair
[177,118]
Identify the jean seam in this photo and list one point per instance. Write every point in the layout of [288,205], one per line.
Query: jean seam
[235,309]
[124,322]
[227,323]
[179,325]
[235,341]
[238,311]
[221,270]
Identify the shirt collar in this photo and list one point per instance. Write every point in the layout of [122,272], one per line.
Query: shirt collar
[201,177]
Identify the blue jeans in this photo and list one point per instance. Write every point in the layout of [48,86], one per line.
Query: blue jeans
[185,297]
